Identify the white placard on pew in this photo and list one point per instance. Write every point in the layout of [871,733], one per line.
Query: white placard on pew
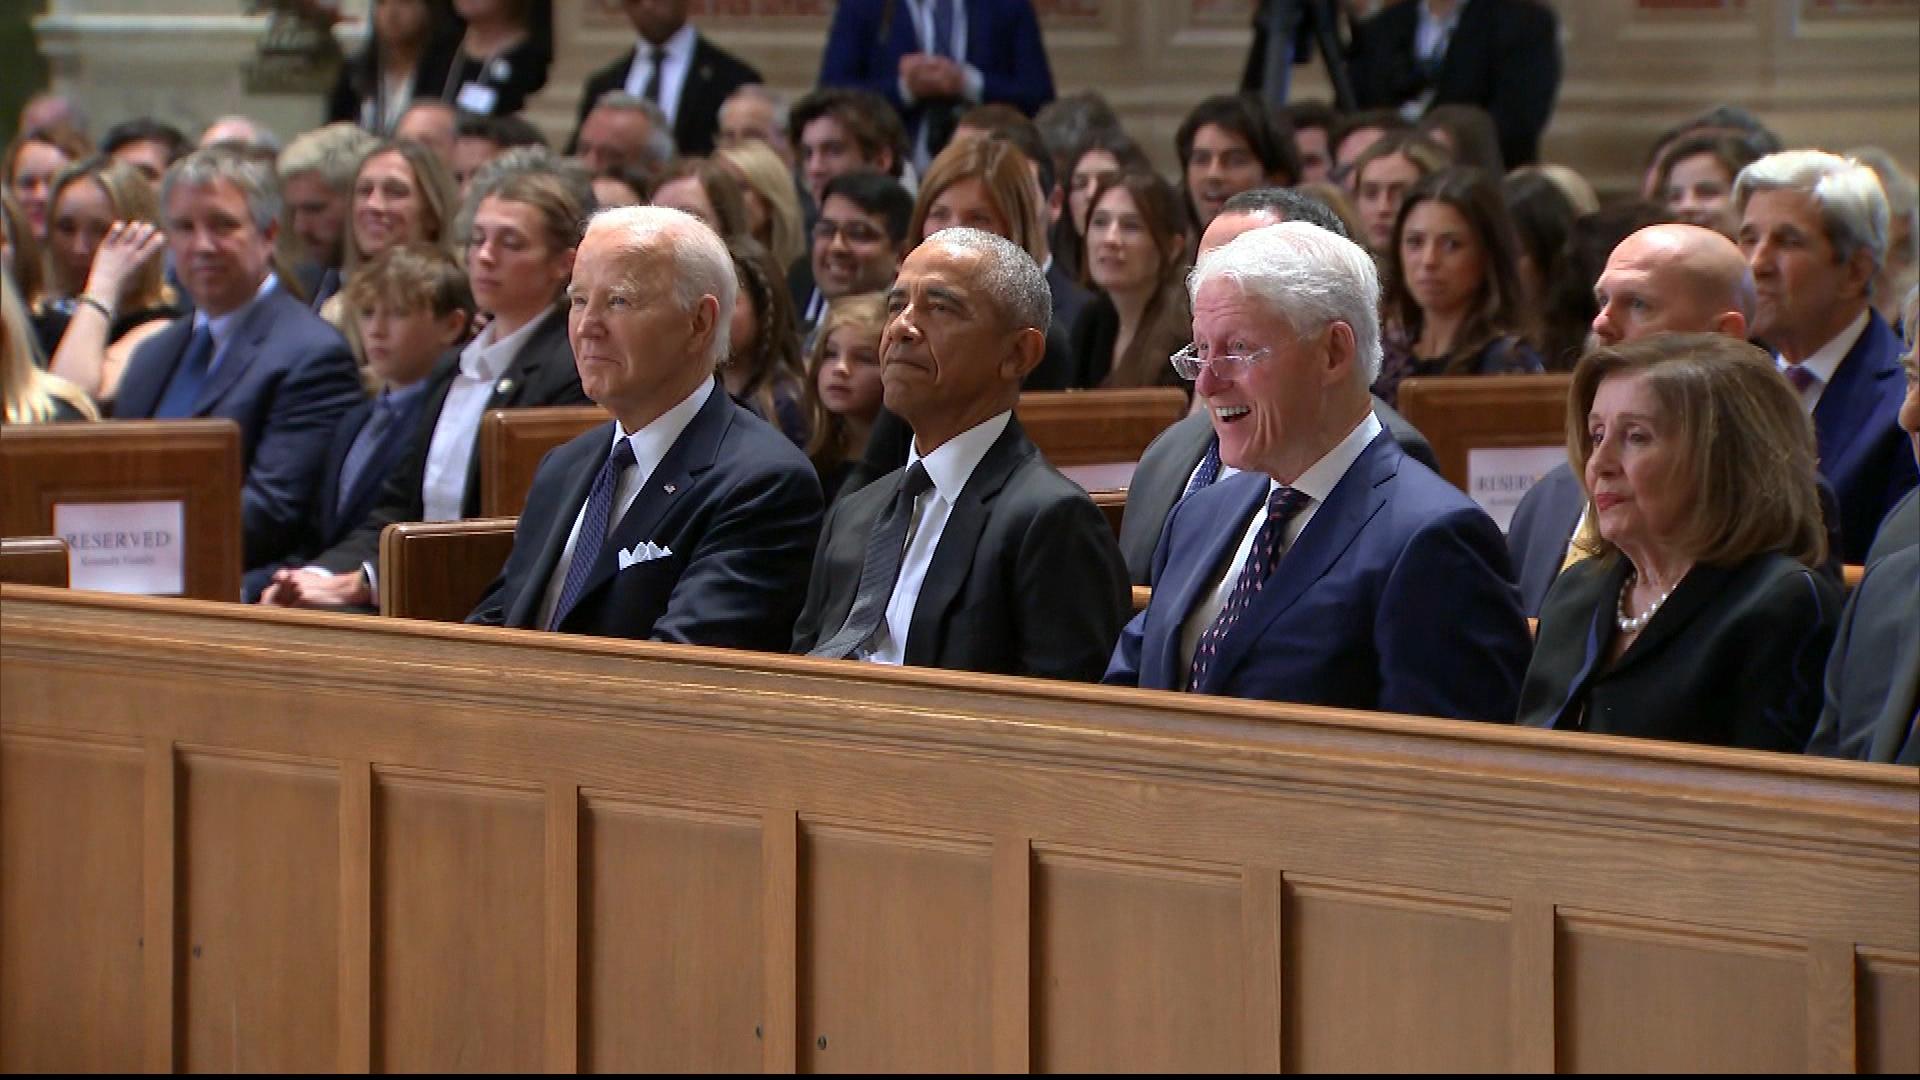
[1497,477]
[125,547]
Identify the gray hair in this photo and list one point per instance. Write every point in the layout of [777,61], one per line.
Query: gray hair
[782,109]
[1853,206]
[1308,276]
[659,148]
[253,175]
[701,264]
[334,152]
[1008,275]
[259,136]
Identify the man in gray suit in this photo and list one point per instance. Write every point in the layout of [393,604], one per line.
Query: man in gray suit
[1185,458]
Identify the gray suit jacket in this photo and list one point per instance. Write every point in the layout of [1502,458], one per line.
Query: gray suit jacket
[1168,463]
[1542,527]
[1873,676]
[1900,529]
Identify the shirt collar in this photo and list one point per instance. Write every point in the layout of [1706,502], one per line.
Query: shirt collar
[221,326]
[400,397]
[486,357]
[651,443]
[1324,475]
[1826,359]
[952,463]
[679,47]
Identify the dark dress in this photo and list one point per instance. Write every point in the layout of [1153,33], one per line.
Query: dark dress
[1507,355]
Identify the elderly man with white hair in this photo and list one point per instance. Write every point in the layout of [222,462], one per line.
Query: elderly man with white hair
[1333,569]
[687,519]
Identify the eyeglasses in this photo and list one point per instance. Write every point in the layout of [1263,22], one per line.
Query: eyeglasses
[855,232]
[1189,363]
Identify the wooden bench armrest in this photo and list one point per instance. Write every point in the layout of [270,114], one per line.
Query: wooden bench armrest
[34,560]
[438,570]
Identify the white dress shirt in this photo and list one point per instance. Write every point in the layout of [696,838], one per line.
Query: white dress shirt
[1826,360]
[443,488]
[1316,483]
[950,466]
[650,446]
[673,72]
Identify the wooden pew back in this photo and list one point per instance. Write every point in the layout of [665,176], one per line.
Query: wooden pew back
[34,560]
[439,570]
[1491,414]
[317,841]
[512,442]
[1098,427]
[194,463]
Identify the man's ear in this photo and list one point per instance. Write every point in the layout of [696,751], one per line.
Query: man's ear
[1342,352]
[704,321]
[452,327]
[1731,323]
[1024,353]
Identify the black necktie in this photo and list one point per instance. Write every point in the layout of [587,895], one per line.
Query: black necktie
[658,57]
[594,521]
[886,546]
[184,388]
[1282,505]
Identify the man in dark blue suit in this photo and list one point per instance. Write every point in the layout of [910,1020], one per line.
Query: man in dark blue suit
[688,519]
[248,352]
[1814,230]
[933,58]
[1332,570]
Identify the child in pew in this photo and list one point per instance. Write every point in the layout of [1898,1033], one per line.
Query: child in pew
[843,385]
[411,305]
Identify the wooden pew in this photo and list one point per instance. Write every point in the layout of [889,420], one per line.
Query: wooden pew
[46,471]
[440,569]
[1491,414]
[1098,427]
[512,442]
[34,560]
[1113,504]
[265,840]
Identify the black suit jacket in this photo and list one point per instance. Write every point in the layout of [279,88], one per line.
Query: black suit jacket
[1168,463]
[1026,579]
[542,373]
[734,504]
[1873,678]
[714,75]
[286,377]
[1504,57]
[1735,657]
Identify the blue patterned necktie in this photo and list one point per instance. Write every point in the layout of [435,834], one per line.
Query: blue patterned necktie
[1207,471]
[1282,505]
[879,570]
[594,520]
[188,377]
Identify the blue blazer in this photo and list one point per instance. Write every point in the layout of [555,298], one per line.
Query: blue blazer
[1863,452]
[868,38]
[1395,597]
[286,377]
[733,501]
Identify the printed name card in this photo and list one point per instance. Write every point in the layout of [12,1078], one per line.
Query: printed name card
[125,547]
[1497,477]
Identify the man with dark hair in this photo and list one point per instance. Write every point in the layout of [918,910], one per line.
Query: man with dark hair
[858,241]
[1353,133]
[479,139]
[1312,123]
[676,68]
[146,144]
[1228,144]
[837,130]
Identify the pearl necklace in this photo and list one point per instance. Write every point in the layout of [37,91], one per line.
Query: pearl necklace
[1632,624]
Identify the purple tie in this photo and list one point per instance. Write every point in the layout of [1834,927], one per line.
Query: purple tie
[1282,505]
[1800,377]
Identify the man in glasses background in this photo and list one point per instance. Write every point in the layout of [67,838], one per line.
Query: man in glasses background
[857,244]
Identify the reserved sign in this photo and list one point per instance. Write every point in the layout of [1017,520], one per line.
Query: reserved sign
[125,547]
[1497,477]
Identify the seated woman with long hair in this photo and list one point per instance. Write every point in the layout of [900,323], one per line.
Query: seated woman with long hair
[709,191]
[31,395]
[103,251]
[1701,615]
[773,203]
[843,384]
[1136,255]
[1100,155]
[402,194]
[762,371]
[1452,303]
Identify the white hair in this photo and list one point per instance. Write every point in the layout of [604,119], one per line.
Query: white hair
[701,265]
[1853,206]
[1308,276]
[1008,275]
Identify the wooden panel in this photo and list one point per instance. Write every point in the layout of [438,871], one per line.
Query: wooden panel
[1644,996]
[671,939]
[460,925]
[1171,1000]
[1460,414]
[512,442]
[1381,979]
[894,963]
[194,461]
[1095,427]
[34,560]
[1113,504]
[70,913]
[1889,1013]
[259,894]
[440,570]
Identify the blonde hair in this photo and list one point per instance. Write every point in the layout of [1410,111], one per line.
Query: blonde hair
[866,312]
[1746,450]
[1003,171]
[30,393]
[131,198]
[762,170]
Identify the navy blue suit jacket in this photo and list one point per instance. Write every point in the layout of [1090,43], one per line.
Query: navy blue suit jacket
[1863,452]
[868,38]
[1396,597]
[733,501]
[286,377]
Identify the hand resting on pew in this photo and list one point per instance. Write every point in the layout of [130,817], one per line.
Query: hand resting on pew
[309,588]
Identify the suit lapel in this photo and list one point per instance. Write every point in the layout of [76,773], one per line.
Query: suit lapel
[1227,508]
[1847,403]
[1695,592]
[143,385]
[245,340]
[953,556]
[593,450]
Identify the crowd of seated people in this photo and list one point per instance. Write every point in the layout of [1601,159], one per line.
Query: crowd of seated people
[809,323]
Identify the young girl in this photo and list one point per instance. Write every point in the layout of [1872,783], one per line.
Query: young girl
[843,384]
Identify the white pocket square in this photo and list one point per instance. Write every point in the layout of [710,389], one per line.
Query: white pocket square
[644,552]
